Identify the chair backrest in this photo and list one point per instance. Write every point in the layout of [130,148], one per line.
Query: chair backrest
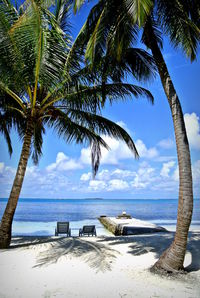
[88,229]
[62,226]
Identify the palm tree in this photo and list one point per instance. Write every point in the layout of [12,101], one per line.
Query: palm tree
[111,27]
[44,83]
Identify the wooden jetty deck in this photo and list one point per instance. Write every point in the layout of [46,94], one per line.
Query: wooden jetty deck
[129,226]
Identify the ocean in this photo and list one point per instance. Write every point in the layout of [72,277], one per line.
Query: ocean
[37,217]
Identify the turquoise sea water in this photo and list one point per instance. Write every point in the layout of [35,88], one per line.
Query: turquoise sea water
[39,216]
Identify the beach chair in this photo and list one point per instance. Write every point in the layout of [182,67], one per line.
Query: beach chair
[63,228]
[87,230]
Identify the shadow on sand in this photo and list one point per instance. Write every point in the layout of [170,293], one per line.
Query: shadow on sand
[98,256]
[157,243]
[101,254]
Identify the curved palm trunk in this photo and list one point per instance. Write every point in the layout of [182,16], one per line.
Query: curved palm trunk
[6,222]
[172,259]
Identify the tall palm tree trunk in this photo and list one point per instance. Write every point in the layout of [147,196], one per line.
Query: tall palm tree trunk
[6,222]
[172,259]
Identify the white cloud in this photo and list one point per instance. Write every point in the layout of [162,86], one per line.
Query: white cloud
[123,173]
[166,168]
[97,185]
[117,184]
[85,157]
[195,176]
[166,143]
[193,130]
[53,181]
[86,176]
[144,152]
[176,174]
[196,171]
[45,180]
[144,177]
[118,151]
[64,163]
[104,175]
[6,173]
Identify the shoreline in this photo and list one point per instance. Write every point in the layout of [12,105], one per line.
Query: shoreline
[38,228]
[95,267]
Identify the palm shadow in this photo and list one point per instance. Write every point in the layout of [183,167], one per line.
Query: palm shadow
[30,241]
[98,256]
[157,243]
[144,243]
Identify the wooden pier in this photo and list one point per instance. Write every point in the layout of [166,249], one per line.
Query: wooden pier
[128,226]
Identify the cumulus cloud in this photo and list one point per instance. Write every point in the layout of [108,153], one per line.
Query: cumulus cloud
[193,130]
[86,176]
[97,185]
[117,184]
[45,182]
[106,175]
[144,177]
[144,151]
[111,185]
[175,175]
[123,180]
[123,173]
[6,173]
[64,163]
[196,171]
[118,151]
[166,168]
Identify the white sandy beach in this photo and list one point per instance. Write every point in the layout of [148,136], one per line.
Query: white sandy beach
[95,267]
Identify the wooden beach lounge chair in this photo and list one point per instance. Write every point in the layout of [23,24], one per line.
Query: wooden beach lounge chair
[63,228]
[87,230]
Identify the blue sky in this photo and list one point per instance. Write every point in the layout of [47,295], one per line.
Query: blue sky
[64,170]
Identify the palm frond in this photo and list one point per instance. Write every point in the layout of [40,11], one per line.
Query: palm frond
[176,22]
[62,13]
[60,90]
[37,142]
[94,98]
[79,126]
[140,63]
[77,5]
[5,130]
[151,33]
[102,126]
[139,10]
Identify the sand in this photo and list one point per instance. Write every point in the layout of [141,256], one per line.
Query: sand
[93,267]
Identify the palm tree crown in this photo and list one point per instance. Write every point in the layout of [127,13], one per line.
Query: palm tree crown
[45,83]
